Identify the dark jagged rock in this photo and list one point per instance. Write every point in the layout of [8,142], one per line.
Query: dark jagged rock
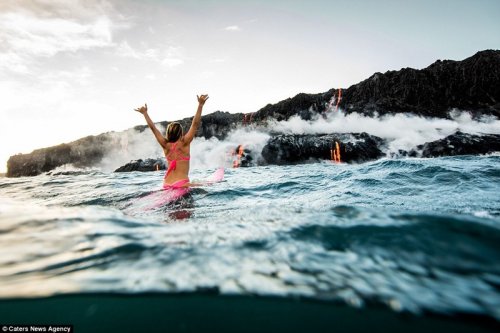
[84,152]
[89,151]
[149,164]
[293,149]
[303,105]
[217,124]
[472,84]
[460,144]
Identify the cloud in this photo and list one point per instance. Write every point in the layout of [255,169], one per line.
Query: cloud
[169,57]
[232,28]
[172,62]
[172,57]
[30,30]
[124,49]
[28,34]
[68,9]
[14,62]
[50,92]
[207,74]
[218,60]
[81,76]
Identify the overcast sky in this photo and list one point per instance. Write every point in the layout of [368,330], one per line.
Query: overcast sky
[73,68]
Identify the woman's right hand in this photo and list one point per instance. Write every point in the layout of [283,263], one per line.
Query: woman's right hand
[202,99]
[142,109]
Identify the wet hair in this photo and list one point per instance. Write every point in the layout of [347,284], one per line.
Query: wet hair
[174,132]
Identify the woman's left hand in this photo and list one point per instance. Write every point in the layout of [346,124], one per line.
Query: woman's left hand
[142,109]
[202,99]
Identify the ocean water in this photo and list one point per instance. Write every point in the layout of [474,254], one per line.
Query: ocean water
[419,237]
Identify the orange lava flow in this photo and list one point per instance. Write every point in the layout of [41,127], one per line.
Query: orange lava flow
[339,98]
[335,153]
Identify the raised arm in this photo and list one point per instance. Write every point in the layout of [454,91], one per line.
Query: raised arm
[161,140]
[196,120]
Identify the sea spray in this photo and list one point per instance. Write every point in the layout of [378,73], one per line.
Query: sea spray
[211,153]
[402,132]
[131,144]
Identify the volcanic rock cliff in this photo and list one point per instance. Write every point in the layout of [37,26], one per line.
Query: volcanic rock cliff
[472,84]
[89,151]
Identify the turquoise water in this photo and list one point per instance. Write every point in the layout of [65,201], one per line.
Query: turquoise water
[415,236]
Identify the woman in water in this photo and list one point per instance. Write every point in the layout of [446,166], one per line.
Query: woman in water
[176,146]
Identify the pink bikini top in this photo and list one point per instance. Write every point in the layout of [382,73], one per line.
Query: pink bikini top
[173,156]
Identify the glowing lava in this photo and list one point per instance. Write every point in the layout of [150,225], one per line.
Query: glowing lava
[335,153]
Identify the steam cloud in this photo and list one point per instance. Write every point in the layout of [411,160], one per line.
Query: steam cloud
[131,145]
[402,132]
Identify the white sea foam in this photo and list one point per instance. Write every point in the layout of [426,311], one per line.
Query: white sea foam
[206,153]
[402,132]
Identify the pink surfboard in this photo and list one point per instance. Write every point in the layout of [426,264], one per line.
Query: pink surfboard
[217,176]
